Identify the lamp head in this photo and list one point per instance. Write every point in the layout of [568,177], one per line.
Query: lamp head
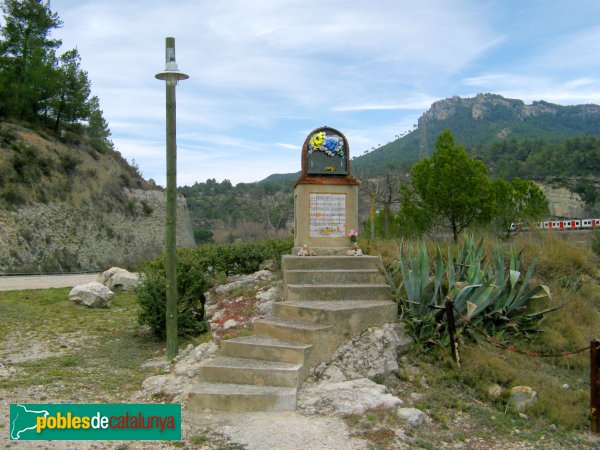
[171,72]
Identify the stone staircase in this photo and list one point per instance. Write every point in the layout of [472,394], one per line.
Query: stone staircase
[328,300]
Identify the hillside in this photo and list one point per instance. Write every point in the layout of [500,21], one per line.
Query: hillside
[223,212]
[70,204]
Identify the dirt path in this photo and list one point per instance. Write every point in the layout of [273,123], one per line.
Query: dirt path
[18,283]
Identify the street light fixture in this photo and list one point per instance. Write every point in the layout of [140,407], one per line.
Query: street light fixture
[171,75]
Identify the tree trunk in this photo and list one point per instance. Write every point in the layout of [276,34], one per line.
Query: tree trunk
[372,214]
[386,220]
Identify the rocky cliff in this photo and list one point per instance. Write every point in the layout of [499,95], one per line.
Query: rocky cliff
[497,108]
[59,237]
[66,205]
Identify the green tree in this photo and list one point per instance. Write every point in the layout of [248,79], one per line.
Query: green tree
[70,103]
[518,201]
[35,83]
[27,57]
[450,190]
[97,126]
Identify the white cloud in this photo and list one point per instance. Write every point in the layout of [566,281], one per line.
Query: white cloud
[539,87]
[264,73]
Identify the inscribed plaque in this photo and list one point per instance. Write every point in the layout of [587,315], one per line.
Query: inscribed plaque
[327,215]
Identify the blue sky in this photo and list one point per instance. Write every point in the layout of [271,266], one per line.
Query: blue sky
[264,73]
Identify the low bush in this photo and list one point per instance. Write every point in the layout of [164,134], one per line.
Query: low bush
[198,269]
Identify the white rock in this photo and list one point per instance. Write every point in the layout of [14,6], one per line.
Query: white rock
[270,295]
[176,386]
[230,324]
[116,278]
[347,397]
[216,316]
[495,390]
[372,353]
[521,397]
[268,264]
[244,280]
[334,374]
[203,351]
[92,294]
[412,416]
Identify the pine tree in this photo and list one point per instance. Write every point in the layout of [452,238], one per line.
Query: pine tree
[27,57]
[97,127]
[450,189]
[72,90]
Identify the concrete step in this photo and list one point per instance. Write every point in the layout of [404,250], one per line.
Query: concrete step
[338,292]
[266,349]
[291,262]
[334,276]
[225,369]
[348,317]
[290,330]
[241,398]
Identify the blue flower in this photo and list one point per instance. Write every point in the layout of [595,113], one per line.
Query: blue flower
[331,144]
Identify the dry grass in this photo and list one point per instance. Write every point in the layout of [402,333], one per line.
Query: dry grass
[568,266]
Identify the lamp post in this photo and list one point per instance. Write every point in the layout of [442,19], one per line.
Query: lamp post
[171,75]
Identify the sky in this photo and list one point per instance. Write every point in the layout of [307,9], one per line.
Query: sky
[265,73]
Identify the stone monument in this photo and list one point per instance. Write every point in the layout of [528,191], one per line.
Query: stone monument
[325,195]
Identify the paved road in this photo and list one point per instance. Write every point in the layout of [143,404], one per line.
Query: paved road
[18,283]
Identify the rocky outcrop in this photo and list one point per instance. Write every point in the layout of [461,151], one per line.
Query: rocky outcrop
[345,398]
[374,352]
[483,105]
[563,203]
[60,237]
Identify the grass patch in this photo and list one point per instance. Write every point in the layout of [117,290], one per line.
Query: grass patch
[72,350]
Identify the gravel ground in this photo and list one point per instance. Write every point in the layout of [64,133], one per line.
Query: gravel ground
[19,283]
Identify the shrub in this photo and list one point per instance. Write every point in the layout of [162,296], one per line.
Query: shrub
[69,163]
[13,196]
[148,209]
[203,235]
[198,269]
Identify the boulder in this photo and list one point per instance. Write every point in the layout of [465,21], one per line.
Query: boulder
[374,352]
[412,416]
[521,397]
[94,295]
[116,278]
[189,364]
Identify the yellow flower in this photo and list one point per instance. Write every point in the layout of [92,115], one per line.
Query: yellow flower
[317,140]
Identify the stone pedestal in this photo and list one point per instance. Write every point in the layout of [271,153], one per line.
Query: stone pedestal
[324,214]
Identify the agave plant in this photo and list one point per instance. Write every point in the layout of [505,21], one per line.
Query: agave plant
[492,294]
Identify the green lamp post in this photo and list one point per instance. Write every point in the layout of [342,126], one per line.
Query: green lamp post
[171,75]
